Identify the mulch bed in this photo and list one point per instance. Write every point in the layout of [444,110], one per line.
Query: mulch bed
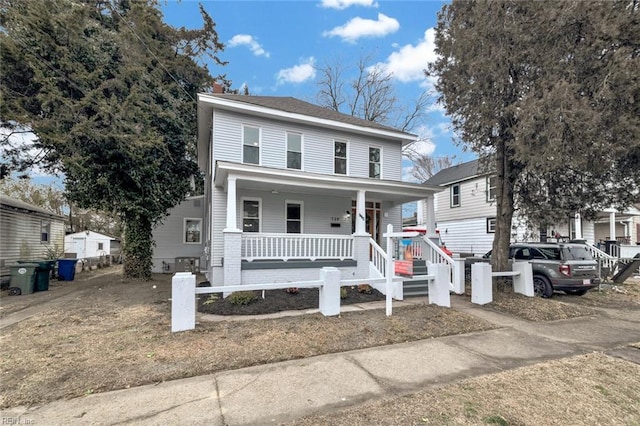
[279,300]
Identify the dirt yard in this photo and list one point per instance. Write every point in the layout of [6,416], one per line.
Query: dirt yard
[102,332]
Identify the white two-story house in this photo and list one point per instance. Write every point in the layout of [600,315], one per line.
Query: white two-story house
[291,187]
[465,212]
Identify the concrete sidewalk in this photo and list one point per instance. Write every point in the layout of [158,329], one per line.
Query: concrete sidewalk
[280,392]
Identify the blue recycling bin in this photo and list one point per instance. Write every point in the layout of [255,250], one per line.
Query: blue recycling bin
[67,269]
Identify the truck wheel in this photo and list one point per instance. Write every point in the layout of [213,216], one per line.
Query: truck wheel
[542,287]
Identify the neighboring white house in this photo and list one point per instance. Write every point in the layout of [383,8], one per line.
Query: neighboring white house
[291,187]
[179,243]
[465,213]
[87,244]
[28,232]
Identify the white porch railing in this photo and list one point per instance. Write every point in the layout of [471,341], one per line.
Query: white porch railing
[378,262]
[295,246]
[606,262]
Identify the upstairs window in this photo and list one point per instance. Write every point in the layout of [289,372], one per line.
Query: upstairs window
[250,145]
[374,163]
[251,213]
[491,188]
[294,217]
[192,231]
[294,151]
[340,158]
[45,231]
[455,195]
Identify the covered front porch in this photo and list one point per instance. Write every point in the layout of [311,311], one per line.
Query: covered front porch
[285,225]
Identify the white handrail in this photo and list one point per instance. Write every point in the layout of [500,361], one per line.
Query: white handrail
[378,258]
[271,246]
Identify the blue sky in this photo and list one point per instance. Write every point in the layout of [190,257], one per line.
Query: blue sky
[275,47]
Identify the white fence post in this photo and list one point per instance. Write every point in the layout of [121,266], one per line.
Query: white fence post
[390,272]
[183,301]
[330,291]
[481,283]
[458,275]
[439,286]
[523,282]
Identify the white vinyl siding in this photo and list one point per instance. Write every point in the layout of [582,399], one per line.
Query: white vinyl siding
[472,199]
[318,146]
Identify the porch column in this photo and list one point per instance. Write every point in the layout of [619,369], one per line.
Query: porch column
[431,217]
[231,205]
[361,228]
[612,226]
[578,226]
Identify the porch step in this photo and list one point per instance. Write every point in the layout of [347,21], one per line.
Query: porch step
[416,288]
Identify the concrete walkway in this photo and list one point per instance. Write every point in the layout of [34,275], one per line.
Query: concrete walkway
[280,392]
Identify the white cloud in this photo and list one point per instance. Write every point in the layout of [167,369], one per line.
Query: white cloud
[407,64]
[247,40]
[300,73]
[343,4]
[358,27]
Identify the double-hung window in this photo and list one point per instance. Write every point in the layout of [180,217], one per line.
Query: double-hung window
[294,217]
[340,158]
[455,195]
[374,162]
[250,145]
[45,231]
[192,231]
[251,214]
[294,151]
[491,225]
[491,188]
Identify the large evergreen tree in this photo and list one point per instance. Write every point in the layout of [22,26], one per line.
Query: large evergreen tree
[547,93]
[109,90]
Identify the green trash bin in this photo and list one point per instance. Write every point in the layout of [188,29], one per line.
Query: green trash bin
[23,278]
[43,273]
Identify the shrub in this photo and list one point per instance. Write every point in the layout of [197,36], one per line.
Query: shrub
[364,288]
[343,293]
[243,297]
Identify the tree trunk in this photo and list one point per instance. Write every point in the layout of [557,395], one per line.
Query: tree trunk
[138,247]
[504,211]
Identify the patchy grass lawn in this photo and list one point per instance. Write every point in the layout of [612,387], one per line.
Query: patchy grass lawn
[104,333]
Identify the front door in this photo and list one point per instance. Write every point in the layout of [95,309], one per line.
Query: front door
[372,219]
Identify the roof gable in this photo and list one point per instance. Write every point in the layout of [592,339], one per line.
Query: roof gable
[458,173]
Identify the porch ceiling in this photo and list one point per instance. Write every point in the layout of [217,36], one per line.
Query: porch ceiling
[294,181]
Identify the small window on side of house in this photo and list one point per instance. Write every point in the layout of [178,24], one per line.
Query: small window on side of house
[491,225]
[491,188]
[455,195]
[45,231]
[192,231]
[100,246]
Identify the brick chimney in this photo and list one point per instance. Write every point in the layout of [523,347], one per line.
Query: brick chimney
[217,87]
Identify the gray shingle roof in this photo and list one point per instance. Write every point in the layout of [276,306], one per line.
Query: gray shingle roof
[293,105]
[14,203]
[456,173]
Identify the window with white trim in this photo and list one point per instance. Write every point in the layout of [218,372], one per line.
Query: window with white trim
[45,231]
[375,164]
[250,145]
[340,158]
[251,214]
[294,214]
[455,195]
[192,231]
[294,151]
[491,188]
[491,225]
